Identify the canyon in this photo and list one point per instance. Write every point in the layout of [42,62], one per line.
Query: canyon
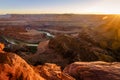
[59,47]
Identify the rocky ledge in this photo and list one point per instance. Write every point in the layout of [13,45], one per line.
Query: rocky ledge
[13,67]
[94,70]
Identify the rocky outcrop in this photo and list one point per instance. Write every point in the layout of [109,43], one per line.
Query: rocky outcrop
[49,56]
[94,70]
[52,72]
[45,54]
[2,46]
[79,49]
[64,49]
[42,46]
[12,67]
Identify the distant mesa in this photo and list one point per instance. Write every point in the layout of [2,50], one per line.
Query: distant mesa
[5,16]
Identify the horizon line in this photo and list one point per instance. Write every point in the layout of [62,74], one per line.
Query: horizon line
[60,13]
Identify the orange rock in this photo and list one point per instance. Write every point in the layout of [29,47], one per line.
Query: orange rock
[2,46]
[12,67]
[52,72]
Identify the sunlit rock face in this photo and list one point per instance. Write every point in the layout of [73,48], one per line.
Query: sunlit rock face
[12,67]
[52,72]
[94,70]
[2,46]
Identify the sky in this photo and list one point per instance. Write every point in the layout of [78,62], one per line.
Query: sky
[59,6]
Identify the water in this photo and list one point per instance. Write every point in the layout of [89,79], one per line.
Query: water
[18,42]
[47,33]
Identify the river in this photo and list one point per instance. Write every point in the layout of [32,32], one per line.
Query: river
[18,42]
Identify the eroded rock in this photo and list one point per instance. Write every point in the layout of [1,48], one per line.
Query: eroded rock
[94,70]
[12,67]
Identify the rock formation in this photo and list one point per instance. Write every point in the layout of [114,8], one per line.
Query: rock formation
[94,70]
[2,46]
[52,72]
[12,67]
[79,49]
[64,49]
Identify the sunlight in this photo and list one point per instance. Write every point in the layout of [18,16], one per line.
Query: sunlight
[104,18]
[100,10]
[118,15]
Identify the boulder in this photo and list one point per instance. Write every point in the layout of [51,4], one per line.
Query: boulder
[52,72]
[94,70]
